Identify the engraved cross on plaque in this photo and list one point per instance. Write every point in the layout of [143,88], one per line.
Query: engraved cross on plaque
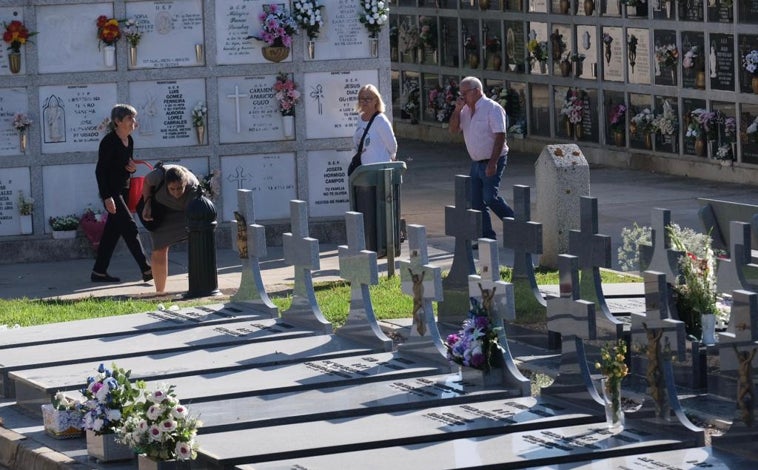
[236,97]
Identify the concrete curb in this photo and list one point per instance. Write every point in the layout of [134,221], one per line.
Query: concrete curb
[17,452]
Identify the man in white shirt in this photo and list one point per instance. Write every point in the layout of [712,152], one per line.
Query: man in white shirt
[483,122]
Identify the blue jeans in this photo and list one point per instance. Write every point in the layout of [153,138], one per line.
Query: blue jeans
[484,194]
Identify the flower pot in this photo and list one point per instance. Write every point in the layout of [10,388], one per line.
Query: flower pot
[700,147]
[64,234]
[473,60]
[494,61]
[618,138]
[109,56]
[754,84]
[148,463]
[633,128]
[311,49]
[275,53]
[708,322]
[132,56]
[614,415]
[565,68]
[62,424]
[564,6]
[26,224]
[288,126]
[589,7]
[22,141]
[700,80]
[543,66]
[14,61]
[200,134]
[93,229]
[104,448]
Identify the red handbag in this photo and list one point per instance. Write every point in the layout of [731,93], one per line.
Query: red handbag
[135,187]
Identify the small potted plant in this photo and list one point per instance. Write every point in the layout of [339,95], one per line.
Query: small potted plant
[133,36]
[277,29]
[93,224]
[199,114]
[287,96]
[25,209]
[62,417]
[108,33]
[307,14]
[16,35]
[64,226]
[160,428]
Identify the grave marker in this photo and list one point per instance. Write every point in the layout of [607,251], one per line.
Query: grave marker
[358,267]
[302,252]
[252,291]
[499,302]
[731,272]
[423,282]
[593,251]
[465,224]
[524,237]
[660,256]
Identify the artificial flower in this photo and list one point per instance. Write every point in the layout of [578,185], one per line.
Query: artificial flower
[573,107]
[307,14]
[108,399]
[21,122]
[199,113]
[64,222]
[25,204]
[286,94]
[375,14]
[277,27]
[131,32]
[750,62]
[613,366]
[108,31]
[617,117]
[16,35]
[476,344]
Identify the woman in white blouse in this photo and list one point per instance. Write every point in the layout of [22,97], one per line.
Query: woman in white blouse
[380,144]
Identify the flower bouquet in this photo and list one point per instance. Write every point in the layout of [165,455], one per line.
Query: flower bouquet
[642,122]
[21,122]
[16,35]
[62,418]
[307,14]
[375,15]
[108,399]
[691,58]
[476,344]
[750,62]
[666,55]
[160,427]
[613,366]
[408,37]
[286,94]
[93,224]
[25,205]
[411,106]
[277,26]
[537,51]
[131,32]
[617,118]
[428,32]
[108,31]
[572,108]
[211,184]
[199,113]
[64,223]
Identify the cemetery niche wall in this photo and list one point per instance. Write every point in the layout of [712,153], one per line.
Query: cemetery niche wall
[664,51]
[205,97]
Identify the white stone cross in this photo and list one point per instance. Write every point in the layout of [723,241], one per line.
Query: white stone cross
[500,300]
[236,96]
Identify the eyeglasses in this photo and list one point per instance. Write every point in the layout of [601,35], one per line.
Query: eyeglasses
[463,92]
[365,98]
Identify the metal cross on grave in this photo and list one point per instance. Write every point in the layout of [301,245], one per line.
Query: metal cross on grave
[494,294]
[358,267]
[660,256]
[423,282]
[524,237]
[236,97]
[302,252]
[252,237]
[594,252]
[731,272]
[465,224]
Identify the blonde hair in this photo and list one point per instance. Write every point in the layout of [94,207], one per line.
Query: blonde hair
[375,93]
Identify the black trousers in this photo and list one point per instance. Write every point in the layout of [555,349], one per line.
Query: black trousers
[120,224]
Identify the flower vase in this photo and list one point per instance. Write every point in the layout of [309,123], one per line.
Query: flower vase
[700,147]
[109,55]
[22,141]
[543,66]
[420,55]
[564,6]
[132,56]
[569,129]
[754,84]
[578,131]
[64,234]
[608,53]
[618,138]
[199,53]
[148,463]
[374,43]
[673,76]
[482,378]
[26,224]
[484,4]
[288,126]
[648,140]
[614,415]
[708,323]
[62,424]
[668,10]
[473,60]
[200,134]
[14,62]
[105,448]
[311,49]
[700,80]
[589,7]
[275,53]
[565,68]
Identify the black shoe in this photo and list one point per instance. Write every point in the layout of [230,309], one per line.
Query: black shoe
[94,277]
[147,275]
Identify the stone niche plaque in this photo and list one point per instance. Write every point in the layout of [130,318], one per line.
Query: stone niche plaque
[638,57]
[721,57]
[12,180]
[67,37]
[587,45]
[248,111]
[612,53]
[69,189]
[540,33]
[12,101]
[70,116]
[341,36]
[170,32]
[164,111]
[328,182]
[271,178]
[236,20]
[9,14]
[330,101]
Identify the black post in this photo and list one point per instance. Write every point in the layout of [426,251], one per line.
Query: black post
[201,225]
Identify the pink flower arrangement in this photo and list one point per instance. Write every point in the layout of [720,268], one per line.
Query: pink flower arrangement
[286,94]
[277,27]
[618,115]
[572,107]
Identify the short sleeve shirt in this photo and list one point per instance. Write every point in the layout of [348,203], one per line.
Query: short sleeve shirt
[479,130]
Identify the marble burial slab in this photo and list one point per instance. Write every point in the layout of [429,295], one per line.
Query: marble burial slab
[330,100]
[613,46]
[162,366]
[160,342]
[639,61]
[341,36]
[70,116]
[236,20]
[587,45]
[248,110]
[80,191]
[488,418]
[12,101]
[123,325]
[170,31]
[271,178]
[539,447]
[680,459]
[164,110]
[12,181]
[328,182]
[353,400]
[67,37]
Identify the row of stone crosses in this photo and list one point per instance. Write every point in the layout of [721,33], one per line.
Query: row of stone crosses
[579,315]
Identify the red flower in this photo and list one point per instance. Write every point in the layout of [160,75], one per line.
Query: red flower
[108,30]
[16,35]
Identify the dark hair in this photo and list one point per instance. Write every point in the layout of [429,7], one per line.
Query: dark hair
[119,112]
[177,174]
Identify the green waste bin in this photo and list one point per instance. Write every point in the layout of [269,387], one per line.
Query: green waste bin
[375,192]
